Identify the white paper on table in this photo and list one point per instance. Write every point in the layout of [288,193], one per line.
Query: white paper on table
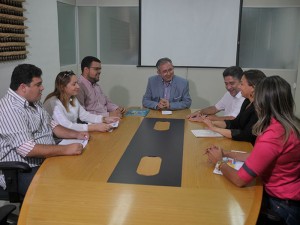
[166,112]
[231,162]
[72,141]
[206,133]
[115,124]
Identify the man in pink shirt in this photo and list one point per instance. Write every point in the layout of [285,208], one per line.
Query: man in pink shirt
[90,95]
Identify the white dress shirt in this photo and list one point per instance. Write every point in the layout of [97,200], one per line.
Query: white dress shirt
[69,119]
[230,105]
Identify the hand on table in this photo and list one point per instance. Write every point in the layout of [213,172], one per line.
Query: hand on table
[214,154]
[163,104]
[73,149]
[103,127]
[110,119]
[83,135]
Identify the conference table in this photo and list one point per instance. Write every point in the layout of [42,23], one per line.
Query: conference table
[75,189]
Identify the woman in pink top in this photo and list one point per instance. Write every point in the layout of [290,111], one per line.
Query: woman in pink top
[275,156]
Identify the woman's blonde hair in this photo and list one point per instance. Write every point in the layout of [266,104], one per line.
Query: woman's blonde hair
[273,99]
[61,81]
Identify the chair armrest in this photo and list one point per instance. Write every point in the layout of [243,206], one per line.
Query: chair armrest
[20,166]
[11,171]
[5,211]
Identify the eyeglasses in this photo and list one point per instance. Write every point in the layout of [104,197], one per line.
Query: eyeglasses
[96,68]
[170,70]
[67,73]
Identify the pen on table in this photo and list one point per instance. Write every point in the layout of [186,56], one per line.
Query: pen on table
[238,151]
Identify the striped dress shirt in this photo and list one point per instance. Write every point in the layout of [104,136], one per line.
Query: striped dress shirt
[21,127]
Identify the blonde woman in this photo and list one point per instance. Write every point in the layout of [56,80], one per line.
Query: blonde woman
[65,109]
[275,157]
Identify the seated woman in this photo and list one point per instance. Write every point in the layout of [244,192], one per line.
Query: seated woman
[65,109]
[240,128]
[276,153]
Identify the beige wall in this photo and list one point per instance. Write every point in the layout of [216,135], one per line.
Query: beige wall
[126,84]
[297,92]
[43,43]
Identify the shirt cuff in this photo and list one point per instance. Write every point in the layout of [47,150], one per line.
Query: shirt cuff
[25,148]
[246,174]
[53,124]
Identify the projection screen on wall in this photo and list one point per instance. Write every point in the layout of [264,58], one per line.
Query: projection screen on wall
[193,33]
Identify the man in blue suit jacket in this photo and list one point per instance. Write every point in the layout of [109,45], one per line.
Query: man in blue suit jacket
[166,90]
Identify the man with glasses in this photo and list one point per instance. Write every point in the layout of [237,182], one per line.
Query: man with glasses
[167,91]
[26,129]
[90,95]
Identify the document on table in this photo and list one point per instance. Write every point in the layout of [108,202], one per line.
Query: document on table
[166,112]
[71,141]
[206,133]
[230,162]
[137,112]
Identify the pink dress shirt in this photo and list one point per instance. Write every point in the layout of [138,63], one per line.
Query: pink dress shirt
[92,98]
[276,162]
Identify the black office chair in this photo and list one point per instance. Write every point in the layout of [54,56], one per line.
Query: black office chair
[5,212]
[11,171]
[11,194]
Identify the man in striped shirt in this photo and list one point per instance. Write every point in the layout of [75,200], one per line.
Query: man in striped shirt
[26,129]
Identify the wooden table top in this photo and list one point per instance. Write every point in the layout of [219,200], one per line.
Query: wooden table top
[74,189]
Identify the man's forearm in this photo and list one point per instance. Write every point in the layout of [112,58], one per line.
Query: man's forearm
[211,110]
[63,132]
[46,151]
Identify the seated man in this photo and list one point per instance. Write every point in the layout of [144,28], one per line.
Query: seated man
[26,131]
[231,102]
[90,95]
[166,90]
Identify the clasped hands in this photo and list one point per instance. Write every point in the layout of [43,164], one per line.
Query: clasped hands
[118,112]
[214,154]
[163,104]
[107,121]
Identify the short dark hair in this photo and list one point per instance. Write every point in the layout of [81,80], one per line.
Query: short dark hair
[87,61]
[253,77]
[23,74]
[234,71]
[163,61]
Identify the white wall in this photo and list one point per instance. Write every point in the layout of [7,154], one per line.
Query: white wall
[125,85]
[43,44]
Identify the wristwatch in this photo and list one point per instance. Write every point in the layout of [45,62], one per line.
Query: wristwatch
[220,163]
